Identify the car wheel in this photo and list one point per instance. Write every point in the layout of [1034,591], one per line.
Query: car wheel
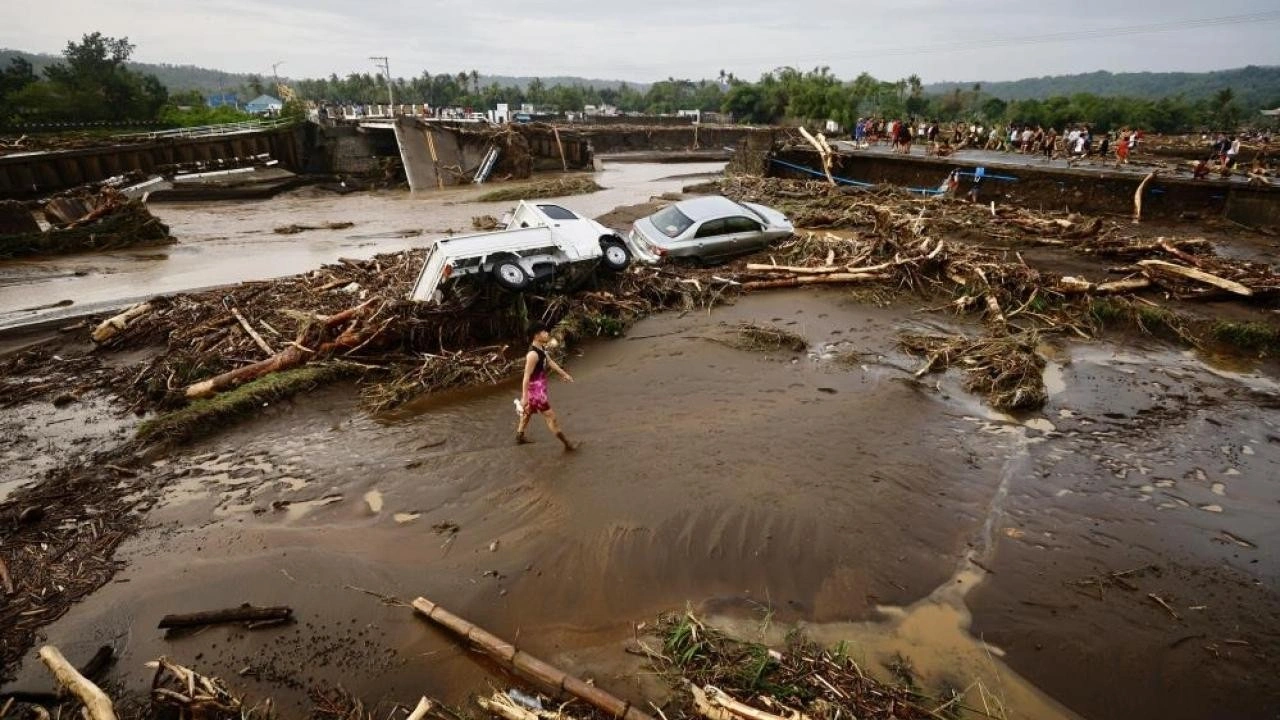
[614,256]
[508,273]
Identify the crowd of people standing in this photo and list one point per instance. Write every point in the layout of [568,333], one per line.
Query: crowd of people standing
[1073,143]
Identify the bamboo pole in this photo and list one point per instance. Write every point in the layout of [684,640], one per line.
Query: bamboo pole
[96,703]
[522,663]
[563,163]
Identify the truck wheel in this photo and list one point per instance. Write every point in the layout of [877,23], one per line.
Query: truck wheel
[614,255]
[508,273]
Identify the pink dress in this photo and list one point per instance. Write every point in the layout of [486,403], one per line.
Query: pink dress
[538,401]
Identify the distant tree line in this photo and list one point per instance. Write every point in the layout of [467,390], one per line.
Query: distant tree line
[92,83]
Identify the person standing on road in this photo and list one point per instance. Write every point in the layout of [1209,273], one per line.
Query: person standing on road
[533,388]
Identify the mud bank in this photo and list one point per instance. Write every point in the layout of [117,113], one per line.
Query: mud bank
[826,487]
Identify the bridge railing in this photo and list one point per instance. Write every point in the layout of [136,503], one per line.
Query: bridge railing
[235,128]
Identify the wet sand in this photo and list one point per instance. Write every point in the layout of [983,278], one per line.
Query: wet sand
[763,489]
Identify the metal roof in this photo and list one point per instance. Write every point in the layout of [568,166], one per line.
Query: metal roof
[712,206]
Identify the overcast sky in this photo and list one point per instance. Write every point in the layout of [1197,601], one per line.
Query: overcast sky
[646,40]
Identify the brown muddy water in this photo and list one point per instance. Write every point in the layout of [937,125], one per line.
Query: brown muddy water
[220,243]
[766,491]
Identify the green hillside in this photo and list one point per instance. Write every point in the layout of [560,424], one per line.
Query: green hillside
[1254,86]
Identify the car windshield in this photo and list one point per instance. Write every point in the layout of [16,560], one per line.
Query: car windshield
[670,221]
[555,212]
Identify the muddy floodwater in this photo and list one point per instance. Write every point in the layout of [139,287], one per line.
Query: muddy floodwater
[229,242]
[826,488]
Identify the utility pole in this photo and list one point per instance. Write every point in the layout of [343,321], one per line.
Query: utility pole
[276,74]
[382,62]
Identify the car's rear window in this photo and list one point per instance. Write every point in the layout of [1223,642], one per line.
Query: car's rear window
[753,213]
[670,221]
[555,212]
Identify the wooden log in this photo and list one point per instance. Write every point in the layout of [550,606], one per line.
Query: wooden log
[420,711]
[1137,197]
[1123,286]
[563,162]
[292,356]
[1197,275]
[112,326]
[5,578]
[792,269]
[96,703]
[527,665]
[244,613]
[506,710]
[253,333]
[833,278]
[826,158]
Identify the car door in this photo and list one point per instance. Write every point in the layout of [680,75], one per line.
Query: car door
[710,239]
[745,234]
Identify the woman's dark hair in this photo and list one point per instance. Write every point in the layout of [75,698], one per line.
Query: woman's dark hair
[536,328]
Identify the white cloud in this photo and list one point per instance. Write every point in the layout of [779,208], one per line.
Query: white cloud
[651,40]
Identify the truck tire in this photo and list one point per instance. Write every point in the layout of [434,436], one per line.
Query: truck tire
[508,273]
[615,256]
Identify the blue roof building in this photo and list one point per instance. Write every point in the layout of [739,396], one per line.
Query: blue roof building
[223,100]
[263,104]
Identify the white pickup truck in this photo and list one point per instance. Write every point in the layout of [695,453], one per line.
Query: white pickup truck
[539,241]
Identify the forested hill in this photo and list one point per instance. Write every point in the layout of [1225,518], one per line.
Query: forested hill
[176,78]
[179,78]
[1253,86]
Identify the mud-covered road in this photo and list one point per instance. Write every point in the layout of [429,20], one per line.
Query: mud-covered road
[765,489]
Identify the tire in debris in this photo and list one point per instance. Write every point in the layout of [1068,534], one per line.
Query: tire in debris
[615,256]
[508,274]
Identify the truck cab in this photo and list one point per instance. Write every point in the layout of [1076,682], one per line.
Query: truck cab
[537,241]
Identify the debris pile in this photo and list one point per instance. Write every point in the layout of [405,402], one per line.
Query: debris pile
[802,680]
[557,187]
[82,223]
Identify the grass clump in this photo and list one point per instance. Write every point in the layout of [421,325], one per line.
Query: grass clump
[209,414]
[558,187]
[1251,336]
[760,338]
[798,676]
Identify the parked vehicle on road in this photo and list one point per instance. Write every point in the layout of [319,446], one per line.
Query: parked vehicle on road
[706,229]
[538,242]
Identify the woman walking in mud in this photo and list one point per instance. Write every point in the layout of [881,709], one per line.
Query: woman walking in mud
[533,388]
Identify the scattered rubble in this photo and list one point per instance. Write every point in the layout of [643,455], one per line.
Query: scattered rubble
[81,223]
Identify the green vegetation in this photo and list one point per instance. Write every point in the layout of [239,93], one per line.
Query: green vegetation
[1251,336]
[94,81]
[91,84]
[209,414]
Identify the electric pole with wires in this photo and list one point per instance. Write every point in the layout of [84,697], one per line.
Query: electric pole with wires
[381,62]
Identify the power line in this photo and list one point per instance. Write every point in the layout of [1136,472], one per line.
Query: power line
[1066,36]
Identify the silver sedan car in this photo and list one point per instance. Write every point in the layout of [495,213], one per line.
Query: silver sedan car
[706,229]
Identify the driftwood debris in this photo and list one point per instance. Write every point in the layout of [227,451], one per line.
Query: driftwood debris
[715,704]
[5,579]
[112,326]
[192,695]
[252,333]
[96,703]
[522,663]
[1197,275]
[833,278]
[1137,197]
[244,613]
